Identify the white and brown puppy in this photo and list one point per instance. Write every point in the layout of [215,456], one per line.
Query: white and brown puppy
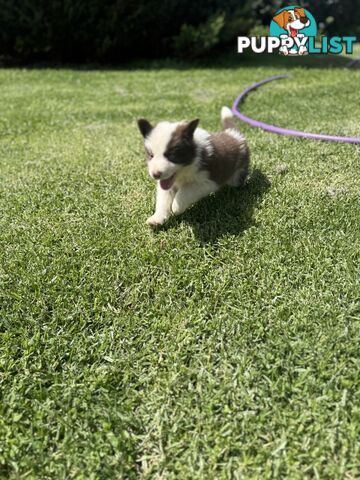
[190,163]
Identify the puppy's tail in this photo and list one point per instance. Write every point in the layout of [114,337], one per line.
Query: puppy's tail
[227,118]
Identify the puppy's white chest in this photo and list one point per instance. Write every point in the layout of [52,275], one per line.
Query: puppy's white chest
[188,175]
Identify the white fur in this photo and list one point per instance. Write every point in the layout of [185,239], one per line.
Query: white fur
[191,192]
[164,200]
[235,134]
[226,113]
[201,137]
[159,136]
[156,143]
[190,186]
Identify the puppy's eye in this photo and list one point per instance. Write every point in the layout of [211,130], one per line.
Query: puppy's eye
[151,155]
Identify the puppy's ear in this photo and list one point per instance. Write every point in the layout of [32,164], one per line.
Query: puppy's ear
[300,11]
[145,127]
[190,128]
[281,18]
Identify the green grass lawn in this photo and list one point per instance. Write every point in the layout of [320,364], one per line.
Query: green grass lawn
[223,346]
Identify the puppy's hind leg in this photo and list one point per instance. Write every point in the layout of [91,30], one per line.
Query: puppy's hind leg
[239,177]
[242,167]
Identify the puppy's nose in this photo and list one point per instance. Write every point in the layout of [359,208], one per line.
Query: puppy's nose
[157,175]
[303,20]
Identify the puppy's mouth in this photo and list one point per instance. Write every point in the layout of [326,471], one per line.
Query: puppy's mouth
[167,182]
[293,31]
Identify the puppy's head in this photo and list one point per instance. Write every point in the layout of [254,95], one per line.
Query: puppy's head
[292,20]
[169,147]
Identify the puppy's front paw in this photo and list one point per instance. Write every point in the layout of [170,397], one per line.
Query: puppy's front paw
[155,220]
[177,208]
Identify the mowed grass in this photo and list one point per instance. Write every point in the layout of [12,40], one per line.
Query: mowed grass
[225,345]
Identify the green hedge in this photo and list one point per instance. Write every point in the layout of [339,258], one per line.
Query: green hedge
[99,29]
[117,30]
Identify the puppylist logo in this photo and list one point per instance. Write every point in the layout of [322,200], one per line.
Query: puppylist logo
[293,32]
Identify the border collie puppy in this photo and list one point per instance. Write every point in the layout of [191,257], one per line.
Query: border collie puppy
[190,163]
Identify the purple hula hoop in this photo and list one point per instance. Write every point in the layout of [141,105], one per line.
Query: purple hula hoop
[280,130]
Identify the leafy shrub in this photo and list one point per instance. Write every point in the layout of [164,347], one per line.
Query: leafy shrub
[239,22]
[194,41]
[259,31]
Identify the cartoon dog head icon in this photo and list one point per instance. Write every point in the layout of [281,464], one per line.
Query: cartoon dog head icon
[292,20]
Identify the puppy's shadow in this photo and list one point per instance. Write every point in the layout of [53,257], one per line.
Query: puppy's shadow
[229,211]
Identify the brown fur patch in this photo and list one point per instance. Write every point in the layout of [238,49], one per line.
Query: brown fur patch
[229,157]
[228,122]
[181,148]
